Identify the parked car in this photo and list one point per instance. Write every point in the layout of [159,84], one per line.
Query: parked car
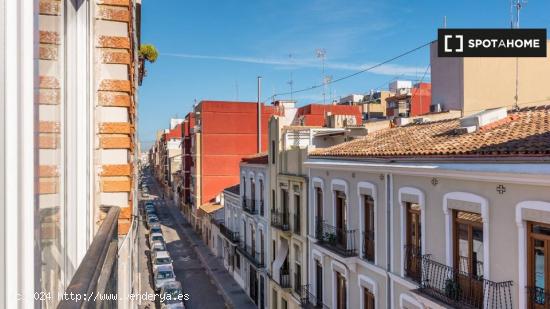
[160,258]
[155,228]
[158,246]
[151,219]
[172,296]
[162,276]
[155,237]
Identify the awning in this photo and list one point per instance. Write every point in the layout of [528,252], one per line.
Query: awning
[280,259]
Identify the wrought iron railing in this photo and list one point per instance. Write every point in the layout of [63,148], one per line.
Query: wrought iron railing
[284,278]
[229,234]
[97,273]
[463,290]
[368,245]
[251,254]
[280,220]
[297,226]
[308,300]
[339,240]
[249,206]
[538,298]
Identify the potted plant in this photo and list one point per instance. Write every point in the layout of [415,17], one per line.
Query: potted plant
[452,289]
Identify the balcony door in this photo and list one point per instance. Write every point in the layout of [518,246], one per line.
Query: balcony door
[341,218]
[413,241]
[368,299]
[284,197]
[318,282]
[319,203]
[368,233]
[252,192]
[340,291]
[538,265]
[468,256]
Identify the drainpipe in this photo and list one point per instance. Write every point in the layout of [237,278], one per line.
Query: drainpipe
[389,205]
[259,115]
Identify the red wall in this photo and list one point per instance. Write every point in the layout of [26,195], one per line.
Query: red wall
[228,133]
[421,99]
[314,114]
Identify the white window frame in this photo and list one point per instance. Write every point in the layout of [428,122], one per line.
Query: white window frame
[402,209]
[522,244]
[484,211]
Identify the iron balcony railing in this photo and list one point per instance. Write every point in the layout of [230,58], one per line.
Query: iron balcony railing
[251,254]
[310,301]
[462,290]
[284,278]
[249,206]
[280,220]
[538,298]
[297,224]
[229,234]
[97,273]
[368,246]
[339,240]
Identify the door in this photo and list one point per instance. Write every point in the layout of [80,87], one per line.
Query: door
[253,286]
[340,291]
[368,233]
[340,219]
[468,257]
[318,282]
[538,274]
[368,299]
[414,245]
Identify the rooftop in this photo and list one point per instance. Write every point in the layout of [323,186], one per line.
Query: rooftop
[258,158]
[524,133]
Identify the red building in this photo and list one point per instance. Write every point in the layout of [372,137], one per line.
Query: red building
[315,114]
[216,138]
[414,103]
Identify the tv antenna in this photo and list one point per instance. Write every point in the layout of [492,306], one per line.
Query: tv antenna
[321,54]
[515,9]
[291,81]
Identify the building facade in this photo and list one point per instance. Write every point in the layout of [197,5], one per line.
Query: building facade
[69,145]
[440,218]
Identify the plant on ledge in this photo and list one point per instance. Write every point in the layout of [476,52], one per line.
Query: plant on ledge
[146,52]
[452,289]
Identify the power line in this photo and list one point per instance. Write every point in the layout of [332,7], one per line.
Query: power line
[352,74]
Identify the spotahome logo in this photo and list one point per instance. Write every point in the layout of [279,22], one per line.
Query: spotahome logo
[491,42]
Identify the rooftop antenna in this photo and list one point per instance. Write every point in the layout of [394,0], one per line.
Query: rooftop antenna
[514,23]
[445,22]
[291,81]
[321,54]
[236,91]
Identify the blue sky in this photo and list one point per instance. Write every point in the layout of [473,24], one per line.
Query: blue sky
[215,49]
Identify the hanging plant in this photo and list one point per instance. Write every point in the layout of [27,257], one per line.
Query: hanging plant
[148,52]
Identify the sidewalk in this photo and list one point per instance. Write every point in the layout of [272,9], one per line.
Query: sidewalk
[233,294]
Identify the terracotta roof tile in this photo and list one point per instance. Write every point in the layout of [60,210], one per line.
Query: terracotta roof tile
[524,133]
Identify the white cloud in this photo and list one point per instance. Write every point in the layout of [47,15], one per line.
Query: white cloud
[386,69]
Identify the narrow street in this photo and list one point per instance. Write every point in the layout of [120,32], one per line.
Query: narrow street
[189,270]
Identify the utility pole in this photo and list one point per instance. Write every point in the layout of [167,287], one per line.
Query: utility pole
[514,22]
[321,53]
[259,114]
[291,81]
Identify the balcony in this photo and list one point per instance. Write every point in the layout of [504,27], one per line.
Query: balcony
[339,240]
[368,246]
[310,301]
[280,220]
[251,254]
[538,297]
[229,234]
[249,206]
[97,273]
[297,225]
[413,263]
[459,289]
